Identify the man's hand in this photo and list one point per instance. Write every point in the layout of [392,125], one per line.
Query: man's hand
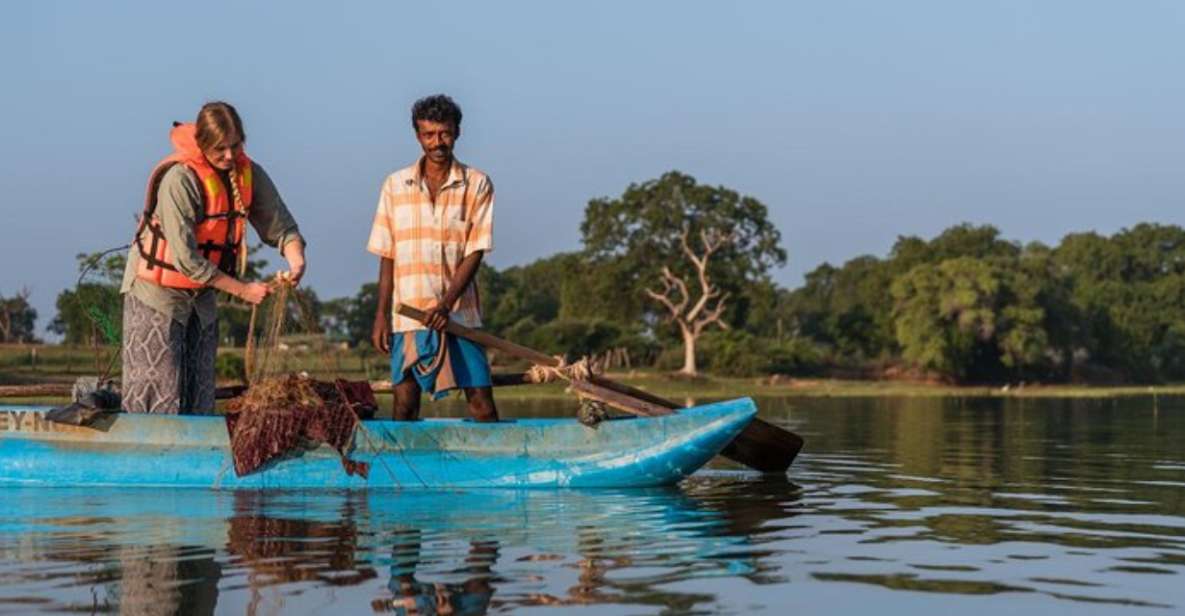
[380,333]
[437,317]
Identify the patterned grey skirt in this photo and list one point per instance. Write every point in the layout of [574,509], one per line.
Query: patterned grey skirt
[167,367]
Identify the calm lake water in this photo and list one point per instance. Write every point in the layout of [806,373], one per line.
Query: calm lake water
[897,506]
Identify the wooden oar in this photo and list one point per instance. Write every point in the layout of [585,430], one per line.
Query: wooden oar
[65,390]
[761,446]
[36,390]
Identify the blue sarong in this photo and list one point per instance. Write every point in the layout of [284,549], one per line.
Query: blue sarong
[467,363]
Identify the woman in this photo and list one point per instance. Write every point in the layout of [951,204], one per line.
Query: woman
[189,243]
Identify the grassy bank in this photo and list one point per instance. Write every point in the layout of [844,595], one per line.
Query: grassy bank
[716,387]
[28,364]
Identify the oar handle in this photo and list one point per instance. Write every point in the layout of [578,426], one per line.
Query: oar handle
[761,445]
[483,338]
[517,350]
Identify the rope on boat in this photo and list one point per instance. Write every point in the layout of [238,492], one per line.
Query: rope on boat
[591,412]
[582,370]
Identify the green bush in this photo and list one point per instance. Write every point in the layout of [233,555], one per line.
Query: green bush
[228,366]
[575,337]
[798,356]
[730,353]
[521,331]
[739,353]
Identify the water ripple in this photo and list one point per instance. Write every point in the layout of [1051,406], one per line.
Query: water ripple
[906,506]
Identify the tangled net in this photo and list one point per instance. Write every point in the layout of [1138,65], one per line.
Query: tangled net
[282,413]
[277,395]
[260,357]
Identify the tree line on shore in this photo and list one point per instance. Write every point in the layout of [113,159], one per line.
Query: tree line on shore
[674,274]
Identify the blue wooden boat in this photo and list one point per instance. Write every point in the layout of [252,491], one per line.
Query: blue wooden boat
[127,449]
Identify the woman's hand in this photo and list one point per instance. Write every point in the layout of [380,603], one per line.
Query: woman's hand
[254,292]
[294,254]
[250,292]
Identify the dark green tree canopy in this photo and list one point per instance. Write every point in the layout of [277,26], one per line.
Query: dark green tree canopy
[644,226]
[17,318]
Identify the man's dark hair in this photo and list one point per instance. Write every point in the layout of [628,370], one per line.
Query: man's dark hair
[436,108]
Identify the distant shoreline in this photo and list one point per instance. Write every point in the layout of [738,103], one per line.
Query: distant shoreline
[682,390]
[722,387]
[56,364]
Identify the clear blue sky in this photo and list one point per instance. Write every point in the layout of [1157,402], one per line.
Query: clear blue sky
[855,122]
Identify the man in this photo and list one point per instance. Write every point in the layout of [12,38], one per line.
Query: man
[433,226]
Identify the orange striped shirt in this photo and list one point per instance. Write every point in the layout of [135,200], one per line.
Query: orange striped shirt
[427,241]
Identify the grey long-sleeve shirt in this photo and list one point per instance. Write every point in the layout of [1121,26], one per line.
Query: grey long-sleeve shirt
[179,198]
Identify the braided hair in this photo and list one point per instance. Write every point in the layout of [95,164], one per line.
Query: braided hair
[241,249]
[218,122]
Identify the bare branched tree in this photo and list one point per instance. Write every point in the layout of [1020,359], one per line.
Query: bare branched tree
[707,309]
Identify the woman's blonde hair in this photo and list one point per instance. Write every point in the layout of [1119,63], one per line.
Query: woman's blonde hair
[216,123]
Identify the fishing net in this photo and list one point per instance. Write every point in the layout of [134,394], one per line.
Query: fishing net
[284,312]
[283,413]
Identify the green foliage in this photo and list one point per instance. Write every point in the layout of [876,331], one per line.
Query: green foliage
[739,353]
[965,240]
[1127,292]
[361,316]
[965,304]
[575,337]
[91,313]
[645,223]
[228,366]
[968,318]
[798,356]
[846,308]
[578,337]
[17,318]
[629,239]
[970,305]
[731,353]
[529,291]
[351,318]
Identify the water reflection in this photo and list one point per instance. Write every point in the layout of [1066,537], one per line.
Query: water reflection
[278,551]
[162,580]
[897,505]
[1056,499]
[409,595]
[164,552]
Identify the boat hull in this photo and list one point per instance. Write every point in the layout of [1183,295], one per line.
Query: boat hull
[193,451]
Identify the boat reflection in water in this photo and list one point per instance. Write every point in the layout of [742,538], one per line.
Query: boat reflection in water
[425,552]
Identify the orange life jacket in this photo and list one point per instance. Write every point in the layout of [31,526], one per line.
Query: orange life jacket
[219,228]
